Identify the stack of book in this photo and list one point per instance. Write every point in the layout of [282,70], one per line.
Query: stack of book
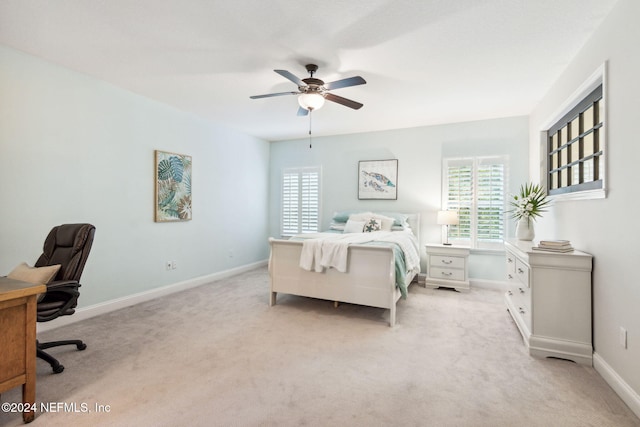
[554,246]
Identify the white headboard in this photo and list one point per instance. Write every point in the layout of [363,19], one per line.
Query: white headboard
[414,222]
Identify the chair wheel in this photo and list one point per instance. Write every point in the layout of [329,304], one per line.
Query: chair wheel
[81,346]
[58,369]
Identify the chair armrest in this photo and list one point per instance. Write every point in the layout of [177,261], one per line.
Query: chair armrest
[59,300]
[62,284]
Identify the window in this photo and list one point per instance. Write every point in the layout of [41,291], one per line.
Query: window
[574,144]
[300,200]
[475,187]
[574,149]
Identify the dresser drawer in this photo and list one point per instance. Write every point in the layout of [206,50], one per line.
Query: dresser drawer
[521,300]
[447,261]
[522,272]
[446,273]
[522,294]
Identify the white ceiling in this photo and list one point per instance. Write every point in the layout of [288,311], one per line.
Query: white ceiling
[425,61]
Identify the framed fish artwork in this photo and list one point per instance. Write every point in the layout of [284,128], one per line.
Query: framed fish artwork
[378,179]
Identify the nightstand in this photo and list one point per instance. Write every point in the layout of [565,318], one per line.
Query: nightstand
[447,266]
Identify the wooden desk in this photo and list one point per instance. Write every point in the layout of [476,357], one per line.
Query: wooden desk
[18,337]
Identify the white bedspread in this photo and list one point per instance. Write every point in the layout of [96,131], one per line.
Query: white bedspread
[330,250]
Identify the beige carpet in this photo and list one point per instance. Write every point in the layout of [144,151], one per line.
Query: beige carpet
[218,355]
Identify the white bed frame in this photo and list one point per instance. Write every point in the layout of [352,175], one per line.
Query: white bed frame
[369,280]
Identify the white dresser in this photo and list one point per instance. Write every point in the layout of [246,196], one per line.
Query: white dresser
[447,266]
[549,298]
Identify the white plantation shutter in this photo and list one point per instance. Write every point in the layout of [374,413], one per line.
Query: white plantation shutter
[490,198]
[475,187]
[300,200]
[459,192]
[290,203]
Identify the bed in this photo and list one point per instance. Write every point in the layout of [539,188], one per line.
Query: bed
[373,275]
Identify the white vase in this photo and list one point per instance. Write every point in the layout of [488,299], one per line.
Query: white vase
[524,229]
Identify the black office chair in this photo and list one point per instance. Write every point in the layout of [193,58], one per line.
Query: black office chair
[68,245]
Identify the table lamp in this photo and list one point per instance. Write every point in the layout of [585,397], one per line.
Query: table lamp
[447,218]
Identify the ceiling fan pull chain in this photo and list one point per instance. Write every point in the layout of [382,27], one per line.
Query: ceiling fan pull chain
[310,114]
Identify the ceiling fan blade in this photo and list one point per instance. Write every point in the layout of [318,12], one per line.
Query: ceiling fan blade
[302,111]
[269,95]
[344,101]
[351,81]
[288,75]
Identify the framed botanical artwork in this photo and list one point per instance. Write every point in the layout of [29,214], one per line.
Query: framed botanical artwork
[378,179]
[173,187]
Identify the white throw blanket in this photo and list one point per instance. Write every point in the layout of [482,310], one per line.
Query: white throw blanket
[329,250]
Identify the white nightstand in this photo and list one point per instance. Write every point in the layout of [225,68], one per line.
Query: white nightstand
[447,266]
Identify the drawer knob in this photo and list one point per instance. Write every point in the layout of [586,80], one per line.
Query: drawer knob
[521,310]
[521,290]
[520,270]
[446,261]
[509,260]
[510,276]
[447,273]
[509,292]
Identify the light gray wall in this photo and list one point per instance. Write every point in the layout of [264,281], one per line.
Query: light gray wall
[75,149]
[419,152]
[606,228]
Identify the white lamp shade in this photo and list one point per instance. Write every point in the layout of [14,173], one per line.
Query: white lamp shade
[311,101]
[448,218]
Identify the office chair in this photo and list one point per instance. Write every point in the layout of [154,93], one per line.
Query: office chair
[69,246]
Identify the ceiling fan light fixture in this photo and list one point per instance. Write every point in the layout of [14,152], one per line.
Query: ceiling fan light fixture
[311,101]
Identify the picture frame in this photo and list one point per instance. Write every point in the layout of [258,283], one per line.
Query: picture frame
[173,200]
[378,179]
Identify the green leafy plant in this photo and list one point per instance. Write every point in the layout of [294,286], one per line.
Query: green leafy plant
[530,203]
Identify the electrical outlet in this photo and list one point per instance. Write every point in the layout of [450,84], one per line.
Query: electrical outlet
[168,265]
[623,337]
[173,265]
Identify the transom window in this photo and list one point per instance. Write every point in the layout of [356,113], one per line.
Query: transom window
[575,147]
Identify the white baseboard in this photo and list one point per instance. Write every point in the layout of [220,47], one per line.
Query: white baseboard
[129,300]
[626,393]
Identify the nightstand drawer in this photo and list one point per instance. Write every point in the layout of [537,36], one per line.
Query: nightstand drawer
[447,261]
[446,273]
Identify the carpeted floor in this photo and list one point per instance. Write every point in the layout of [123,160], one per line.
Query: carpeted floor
[218,355]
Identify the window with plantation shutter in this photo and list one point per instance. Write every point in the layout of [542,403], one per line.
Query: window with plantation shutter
[475,187]
[300,200]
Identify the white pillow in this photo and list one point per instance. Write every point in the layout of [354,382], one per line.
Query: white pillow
[361,216]
[386,222]
[354,226]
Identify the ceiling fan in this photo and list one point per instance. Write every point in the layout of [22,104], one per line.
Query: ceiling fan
[312,92]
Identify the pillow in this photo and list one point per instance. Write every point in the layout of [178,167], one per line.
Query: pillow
[354,226]
[372,225]
[385,222]
[341,216]
[337,226]
[361,216]
[399,219]
[35,275]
